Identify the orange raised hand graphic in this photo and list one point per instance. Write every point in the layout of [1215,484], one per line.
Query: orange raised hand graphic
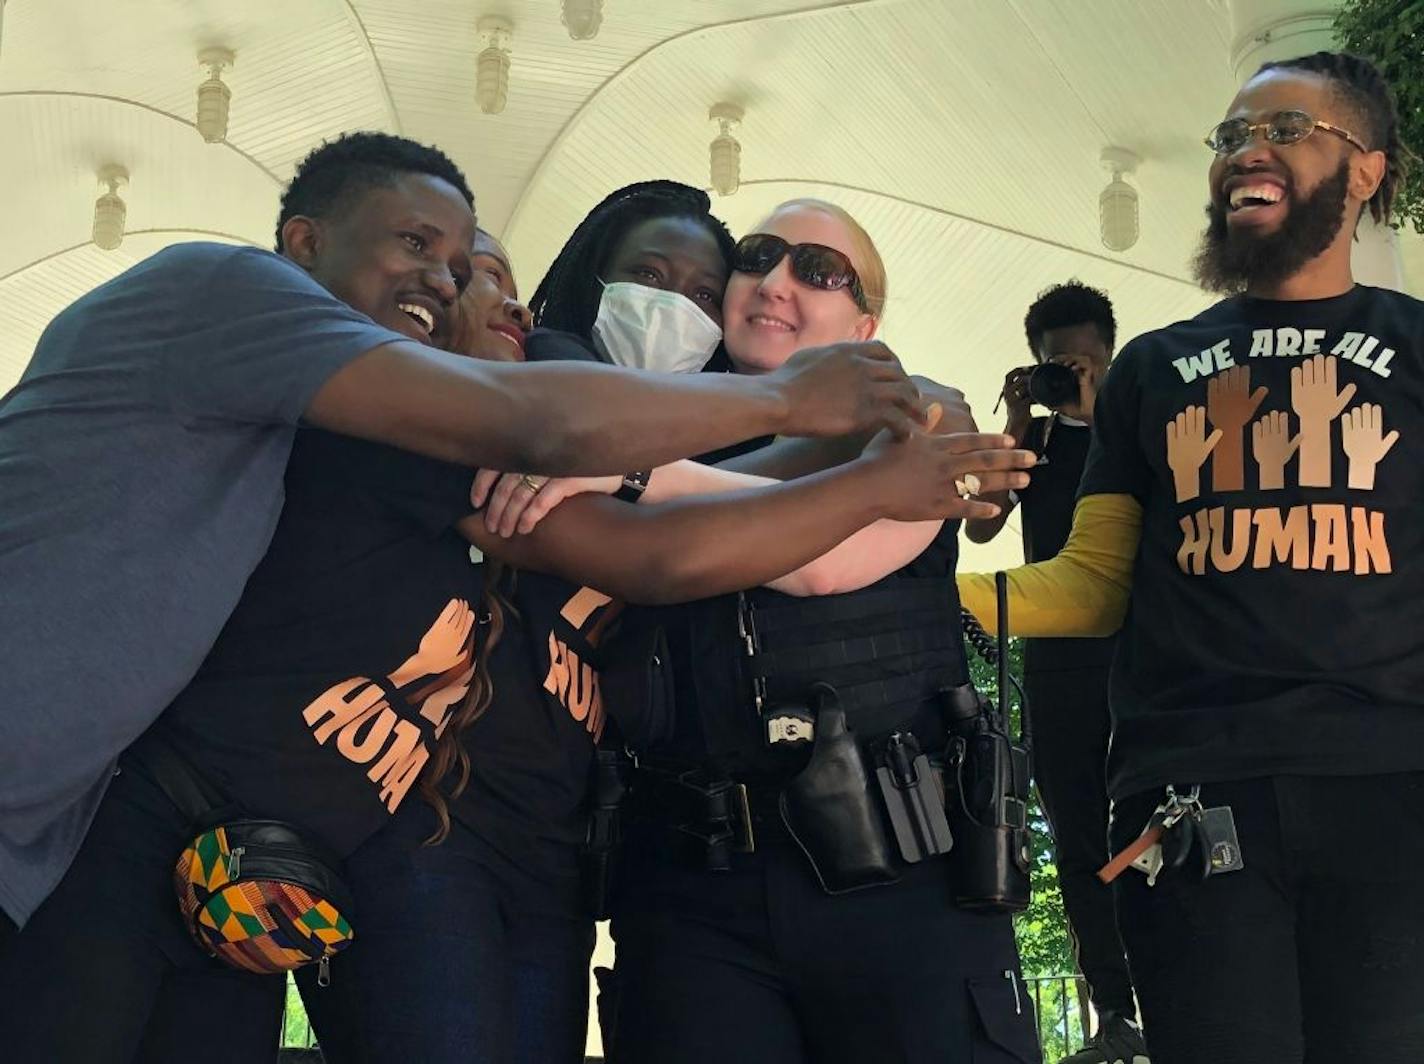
[1317,402]
[1230,405]
[1362,435]
[1272,447]
[442,648]
[1187,448]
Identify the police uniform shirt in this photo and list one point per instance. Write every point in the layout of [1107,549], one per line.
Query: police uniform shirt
[1277,450]
[352,644]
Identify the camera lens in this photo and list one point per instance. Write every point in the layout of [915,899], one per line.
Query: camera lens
[1052,385]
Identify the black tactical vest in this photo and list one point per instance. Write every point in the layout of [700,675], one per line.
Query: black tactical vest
[887,650]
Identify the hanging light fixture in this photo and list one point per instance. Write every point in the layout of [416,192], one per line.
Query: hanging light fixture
[213,96]
[1117,205]
[726,153]
[492,66]
[110,212]
[582,18]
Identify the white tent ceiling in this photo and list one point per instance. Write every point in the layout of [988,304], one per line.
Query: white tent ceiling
[964,133]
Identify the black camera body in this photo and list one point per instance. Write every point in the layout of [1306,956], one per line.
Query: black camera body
[1053,385]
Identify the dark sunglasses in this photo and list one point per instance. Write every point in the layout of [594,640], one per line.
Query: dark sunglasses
[1283,127]
[811,264]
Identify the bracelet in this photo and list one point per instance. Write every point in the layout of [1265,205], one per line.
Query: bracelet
[634,484]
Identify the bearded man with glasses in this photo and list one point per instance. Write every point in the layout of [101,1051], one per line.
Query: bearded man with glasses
[1254,482]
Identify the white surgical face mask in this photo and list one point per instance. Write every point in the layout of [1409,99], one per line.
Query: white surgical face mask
[651,328]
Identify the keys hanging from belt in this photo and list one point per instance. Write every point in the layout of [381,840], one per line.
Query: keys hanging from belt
[1172,833]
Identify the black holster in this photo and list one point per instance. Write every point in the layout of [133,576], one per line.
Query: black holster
[829,808]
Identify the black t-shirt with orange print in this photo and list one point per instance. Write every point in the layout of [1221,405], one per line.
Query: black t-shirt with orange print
[1277,449]
[353,642]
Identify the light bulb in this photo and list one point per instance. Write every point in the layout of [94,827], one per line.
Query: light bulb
[110,211]
[1117,204]
[214,97]
[725,156]
[582,18]
[492,64]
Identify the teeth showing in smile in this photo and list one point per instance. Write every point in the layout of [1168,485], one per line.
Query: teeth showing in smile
[770,323]
[423,317]
[1247,196]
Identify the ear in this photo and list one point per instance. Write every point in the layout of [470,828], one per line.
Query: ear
[1367,170]
[866,328]
[302,240]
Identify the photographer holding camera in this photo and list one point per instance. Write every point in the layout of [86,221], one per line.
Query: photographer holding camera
[1070,330]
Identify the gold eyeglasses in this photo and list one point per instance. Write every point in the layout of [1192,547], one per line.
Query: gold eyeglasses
[1284,128]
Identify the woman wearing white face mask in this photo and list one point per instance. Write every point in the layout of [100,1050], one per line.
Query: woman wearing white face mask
[789,927]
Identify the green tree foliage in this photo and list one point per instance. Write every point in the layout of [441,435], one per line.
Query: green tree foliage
[1391,32]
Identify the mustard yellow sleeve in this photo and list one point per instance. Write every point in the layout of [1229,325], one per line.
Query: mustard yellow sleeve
[1083,590]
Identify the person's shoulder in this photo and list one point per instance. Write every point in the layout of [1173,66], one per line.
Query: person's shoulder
[554,345]
[1394,303]
[1170,335]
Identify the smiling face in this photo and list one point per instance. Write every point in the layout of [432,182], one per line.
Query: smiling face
[399,253]
[1276,208]
[768,318]
[676,255]
[491,323]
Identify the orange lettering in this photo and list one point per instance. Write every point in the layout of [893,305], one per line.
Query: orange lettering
[377,724]
[1191,556]
[1282,540]
[581,606]
[1371,548]
[1226,561]
[557,682]
[395,789]
[344,703]
[407,738]
[1332,543]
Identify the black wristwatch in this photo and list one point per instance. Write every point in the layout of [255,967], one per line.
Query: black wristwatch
[634,484]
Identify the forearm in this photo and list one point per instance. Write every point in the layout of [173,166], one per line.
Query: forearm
[866,556]
[680,479]
[1083,591]
[696,547]
[551,418]
[788,458]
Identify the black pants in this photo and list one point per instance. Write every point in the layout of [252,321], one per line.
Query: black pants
[105,973]
[1313,952]
[757,965]
[1071,728]
[460,956]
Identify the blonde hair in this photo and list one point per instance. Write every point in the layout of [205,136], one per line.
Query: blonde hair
[865,257]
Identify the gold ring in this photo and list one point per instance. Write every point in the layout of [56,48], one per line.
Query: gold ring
[529,482]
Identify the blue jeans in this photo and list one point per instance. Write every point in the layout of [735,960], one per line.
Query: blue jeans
[459,956]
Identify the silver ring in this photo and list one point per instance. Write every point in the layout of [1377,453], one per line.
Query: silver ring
[967,486]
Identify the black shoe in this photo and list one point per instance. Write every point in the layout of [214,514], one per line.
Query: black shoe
[1118,1041]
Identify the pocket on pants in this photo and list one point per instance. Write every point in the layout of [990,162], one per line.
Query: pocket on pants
[1006,1031]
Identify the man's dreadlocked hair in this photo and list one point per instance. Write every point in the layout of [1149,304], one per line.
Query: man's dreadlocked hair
[568,296]
[1359,84]
[328,178]
[1071,303]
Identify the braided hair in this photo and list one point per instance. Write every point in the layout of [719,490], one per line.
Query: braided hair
[327,180]
[568,296]
[1361,86]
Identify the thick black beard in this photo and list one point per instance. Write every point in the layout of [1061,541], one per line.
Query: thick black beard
[1229,261]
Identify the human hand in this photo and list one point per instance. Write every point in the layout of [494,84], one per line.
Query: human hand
[443,647]
[1364,441]
[925,476]
[516,502]
[1089,376]
[1272,447]
[1017,401]
[845,389]
[955,415]
[1187,448]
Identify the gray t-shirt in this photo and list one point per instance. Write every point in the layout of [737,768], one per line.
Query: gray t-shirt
[141,464]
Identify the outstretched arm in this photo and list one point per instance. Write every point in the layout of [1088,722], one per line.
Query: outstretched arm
[1083,590]
[696,547]
[583,418]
